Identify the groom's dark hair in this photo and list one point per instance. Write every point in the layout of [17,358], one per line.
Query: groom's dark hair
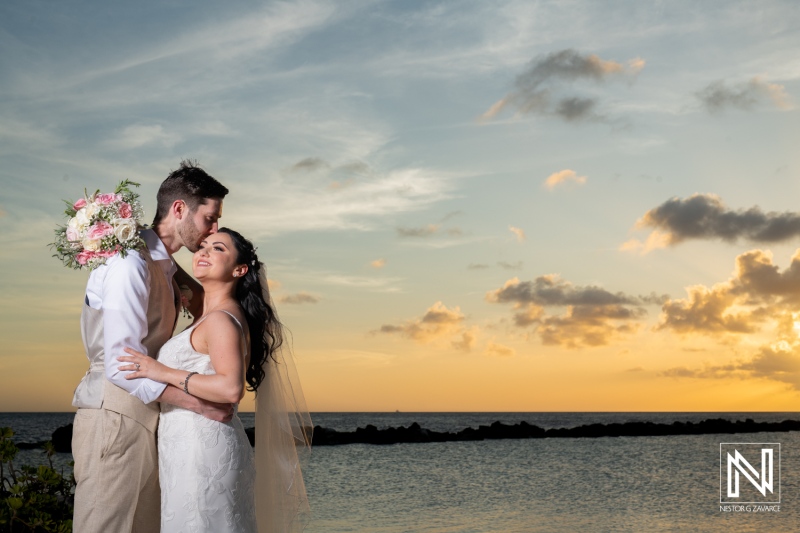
[189,183]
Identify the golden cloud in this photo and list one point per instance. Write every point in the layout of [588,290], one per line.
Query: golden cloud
[779,361]
[499,350]
[438,322]
[592,315]
[758,292]
[467,341]
[520,234]
[563,176]
[298,299]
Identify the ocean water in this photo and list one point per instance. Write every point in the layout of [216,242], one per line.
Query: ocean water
[537,485]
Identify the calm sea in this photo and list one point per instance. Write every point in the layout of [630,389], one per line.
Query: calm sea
[540,485]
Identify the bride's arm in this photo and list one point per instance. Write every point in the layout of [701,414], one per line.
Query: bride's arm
[221,338]
[219,412]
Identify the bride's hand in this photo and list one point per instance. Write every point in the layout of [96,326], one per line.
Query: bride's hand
[142,366]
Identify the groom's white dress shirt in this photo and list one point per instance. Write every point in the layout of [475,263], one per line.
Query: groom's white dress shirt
[120,289]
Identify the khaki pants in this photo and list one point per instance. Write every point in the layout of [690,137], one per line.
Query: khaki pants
[116,468]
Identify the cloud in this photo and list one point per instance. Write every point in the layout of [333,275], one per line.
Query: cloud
[138,135]
[510,266]
[467,341]
[499,350]
[356,167]
[705,310]
[779,361]
[451,214]
[757,293]
[357,282]
[563,177]
[520,234]
[310,164]
[378,263]
[588,325]
[342,176]
[551,290]
[477,266]
[428,230]
[705,216]
[536,90]
[438,322]
[214,128]
[298,299]
[717,96]
[291,205]
[349,174]
[423,231]
[575,108]
[593,316]
[224,42]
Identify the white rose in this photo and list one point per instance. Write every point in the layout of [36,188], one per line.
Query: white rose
[91,210]
[124,229]
[73,229]
[91,245]
[73,234]
[82,219]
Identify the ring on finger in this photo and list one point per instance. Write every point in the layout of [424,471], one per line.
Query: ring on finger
[137,365]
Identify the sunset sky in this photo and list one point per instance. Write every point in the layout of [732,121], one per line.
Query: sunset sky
[463,206]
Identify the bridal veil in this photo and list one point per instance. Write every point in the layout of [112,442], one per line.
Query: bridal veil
[283,442]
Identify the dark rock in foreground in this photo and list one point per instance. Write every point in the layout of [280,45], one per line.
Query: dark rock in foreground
[62,437]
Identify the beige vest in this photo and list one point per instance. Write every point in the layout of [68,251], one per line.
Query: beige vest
[94,390]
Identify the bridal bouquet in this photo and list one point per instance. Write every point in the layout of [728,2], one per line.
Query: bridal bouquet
[100,226]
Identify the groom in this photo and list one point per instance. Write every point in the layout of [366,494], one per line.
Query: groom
[134,302]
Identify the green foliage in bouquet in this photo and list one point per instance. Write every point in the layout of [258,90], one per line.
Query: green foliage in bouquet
[33,499]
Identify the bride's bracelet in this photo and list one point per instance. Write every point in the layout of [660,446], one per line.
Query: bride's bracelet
[185,382]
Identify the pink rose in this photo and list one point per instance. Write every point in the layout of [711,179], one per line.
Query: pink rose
[125,210]
[79,204]
[108,253]
[100,230]
[84,257]
[106,198]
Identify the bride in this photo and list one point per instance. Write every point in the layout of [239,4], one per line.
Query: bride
[211,480]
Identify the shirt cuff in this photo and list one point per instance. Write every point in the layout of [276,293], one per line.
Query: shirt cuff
[149,390]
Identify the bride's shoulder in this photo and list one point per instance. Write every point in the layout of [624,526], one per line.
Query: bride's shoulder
[218,333]
[222,320]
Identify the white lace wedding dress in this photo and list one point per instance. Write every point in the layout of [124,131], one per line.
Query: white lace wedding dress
[207,468]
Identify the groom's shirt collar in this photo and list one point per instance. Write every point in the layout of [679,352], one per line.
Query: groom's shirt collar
[158,252]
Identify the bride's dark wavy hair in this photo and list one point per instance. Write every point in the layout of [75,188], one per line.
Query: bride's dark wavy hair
[266,331]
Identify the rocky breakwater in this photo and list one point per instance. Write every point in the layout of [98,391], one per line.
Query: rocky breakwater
[416,434]
[62,437]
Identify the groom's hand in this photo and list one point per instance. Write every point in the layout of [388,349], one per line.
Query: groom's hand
[221,412]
